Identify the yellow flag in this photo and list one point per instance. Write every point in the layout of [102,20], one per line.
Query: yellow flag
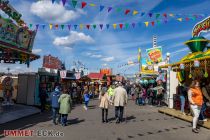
[171,15]
[92,4]
[146,23]
[179,19]
[114,26]
[51,26]
[135,12]
[81,26]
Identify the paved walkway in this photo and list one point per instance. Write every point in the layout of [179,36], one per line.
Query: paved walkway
[143,123]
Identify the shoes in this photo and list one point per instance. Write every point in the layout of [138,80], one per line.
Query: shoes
[103,121]
[118,121]
[183,114]
[106,121]
[195,130]
[85,107]
[204,120]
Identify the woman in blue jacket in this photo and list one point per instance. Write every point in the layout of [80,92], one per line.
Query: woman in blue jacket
[86,98]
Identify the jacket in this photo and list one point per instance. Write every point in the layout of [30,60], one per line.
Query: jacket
[86,97]
[65,104]
[110,91]
[54,99]
[120,97]
[104,101]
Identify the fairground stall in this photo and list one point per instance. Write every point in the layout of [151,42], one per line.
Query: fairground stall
[16,42]
[195,65]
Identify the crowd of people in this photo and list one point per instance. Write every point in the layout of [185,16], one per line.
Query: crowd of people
[197,95]
[117,95]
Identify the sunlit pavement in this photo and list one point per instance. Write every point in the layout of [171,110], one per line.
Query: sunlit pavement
[143,122]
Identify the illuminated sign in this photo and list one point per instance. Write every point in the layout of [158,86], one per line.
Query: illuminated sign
[155,54]
[203,26]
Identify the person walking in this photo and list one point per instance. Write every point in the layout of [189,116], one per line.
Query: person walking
[43,98]
[150,95]
[120,99]
[55,105]
[65,106]
[195,98]
[86,98]
[206,98]
[104,104]
[182,92]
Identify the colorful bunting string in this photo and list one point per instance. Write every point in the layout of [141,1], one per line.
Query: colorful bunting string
[115,25]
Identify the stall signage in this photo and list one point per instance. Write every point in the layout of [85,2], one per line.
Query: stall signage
[14,36]
[11,12]
[106,71]
[196,63]
[155,54]
[182,66]
[203,26]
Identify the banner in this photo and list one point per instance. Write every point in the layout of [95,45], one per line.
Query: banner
[203,26]
[154,54]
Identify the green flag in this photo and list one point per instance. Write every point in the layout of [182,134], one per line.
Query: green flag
[62,26]
[94,26]
[126,25]
[74,3]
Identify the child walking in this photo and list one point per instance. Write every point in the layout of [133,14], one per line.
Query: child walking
[86,99]
[104,104]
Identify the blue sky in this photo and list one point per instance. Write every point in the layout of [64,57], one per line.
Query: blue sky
[107,48]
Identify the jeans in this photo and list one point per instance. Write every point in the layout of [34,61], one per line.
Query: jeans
[196,111]
[182,99]
[55,112]
[119,112]
[86,103]
[203,109]
[137,100]
[104,113]
[151,100]
[64,119]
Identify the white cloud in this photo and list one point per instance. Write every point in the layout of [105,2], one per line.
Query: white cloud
[55,13]
[96,56]
[108,59]
[36,51]
[72,38]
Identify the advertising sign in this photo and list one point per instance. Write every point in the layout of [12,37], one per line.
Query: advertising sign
[155,54]
[63,73]
[203,26]
[14,36]
[106,71]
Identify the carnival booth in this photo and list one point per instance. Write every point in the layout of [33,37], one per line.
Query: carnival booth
[195,65]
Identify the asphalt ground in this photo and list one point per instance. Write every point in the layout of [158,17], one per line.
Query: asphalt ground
[142,123]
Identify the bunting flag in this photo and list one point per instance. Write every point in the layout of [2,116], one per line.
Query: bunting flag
[133,24]
[171,15]
[56,26]
[142,14]
[43,26]
[88,26]
[153,23]
[119,9]
[62,26]
[101,26]
[150,14]
[50,25]
[187,18]
[158,22]
[165,15]
[127,11]
[69,27]
[157,16]
[146,23]
[135,12]
[84,4]
[121,26]
[114,26]
[64,2]
[179,19]
[30,26]
[81,26]
[109,9]
[74,3]
[37,26]
[53,1]
[165,21]
[101,8]
[107,26]
[126,25]
[92,5]
[94,26]
[75,27]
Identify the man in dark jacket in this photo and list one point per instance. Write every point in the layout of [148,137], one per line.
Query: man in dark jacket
[43,99]
[55,105]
